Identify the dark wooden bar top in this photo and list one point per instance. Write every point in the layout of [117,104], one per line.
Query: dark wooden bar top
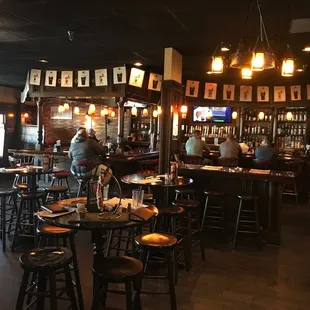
[38,153]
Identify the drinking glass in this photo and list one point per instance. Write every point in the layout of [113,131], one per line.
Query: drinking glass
[106,192]
[137,198]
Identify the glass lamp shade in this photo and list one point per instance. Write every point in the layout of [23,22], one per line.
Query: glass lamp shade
[112,114]
[26,115]
[263,60]
[61,109]
[76,110]
[246,73]
[159,110]
[288,65]
[155,113]
[145,112]
[104,112]
[66,106]
[184,109]
[261,115]
[217,65]
[91,109]
[289,116]
[209,114]
[234,115]
[134,111]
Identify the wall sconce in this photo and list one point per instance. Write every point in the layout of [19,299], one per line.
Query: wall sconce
[289,116]
[61,109]
[112,114]
[183,111]
[261,116]
[10,115]
[234,115]
[155,113]
[91,109]
[26,115]
[104,112]
[145,112]
[76,110]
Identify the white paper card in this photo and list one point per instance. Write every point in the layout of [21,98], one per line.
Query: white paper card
[66,78]
[155,81]
[101,77]
[51,78]
[83,78]
[192,88]
[210,91]
[136,77]
[35,77]
[119,75]
[229,92]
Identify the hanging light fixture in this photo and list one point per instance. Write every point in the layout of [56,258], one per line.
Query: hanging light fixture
[288,63]
[66,106]
[61,109]
[91,109]
[155,113]
[246,73]
[234,115]
[104,112]
[112,113]
[289,116]
[76,110]
[209,114]
[145,112]
[261,116]
[217,65]
[225,46]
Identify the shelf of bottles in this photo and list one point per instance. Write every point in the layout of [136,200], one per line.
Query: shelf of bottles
[140,126]
[257,126]
[291,128]
[214,131]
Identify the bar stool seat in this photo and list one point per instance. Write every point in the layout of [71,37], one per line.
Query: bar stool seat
[45,229]
[247,197]
[156,241]
[214,193]
[56,191]
[172,211]
[31,195]
[61,174]
[185,191]
[186,203]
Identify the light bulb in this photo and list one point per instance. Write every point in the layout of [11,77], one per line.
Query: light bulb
[61,109]
[145,112]
[261,115]
[26,115]
[112,114]
[134,111]
[258,61]
[76,110]
[217,64]
[66,106]
[159,110]
[234,115]
[246,73]
[155,113]
[288,65]
[183,109]
[289,116]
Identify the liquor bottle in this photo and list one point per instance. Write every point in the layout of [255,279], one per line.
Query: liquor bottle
[266,117]
[304,130]
[299,130]
[282,117]
[301,117]
[279,116]
[295,130]
[305,116]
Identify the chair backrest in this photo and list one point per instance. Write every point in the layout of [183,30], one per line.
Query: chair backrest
[295,166]
[193,159]
[262,164]
[228,162]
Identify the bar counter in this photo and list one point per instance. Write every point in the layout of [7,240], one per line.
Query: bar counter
[236,181]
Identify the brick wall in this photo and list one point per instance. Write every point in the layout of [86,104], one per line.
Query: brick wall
[64,130]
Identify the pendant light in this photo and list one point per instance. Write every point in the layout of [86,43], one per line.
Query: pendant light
[217,65]
[91,109]
[288,63]
[246,73]
[76,110]
[183,111]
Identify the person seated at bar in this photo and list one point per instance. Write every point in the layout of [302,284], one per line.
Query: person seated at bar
[195,146]
[74,137]
[85,149]
[92,134]
[265,151]
[230,148]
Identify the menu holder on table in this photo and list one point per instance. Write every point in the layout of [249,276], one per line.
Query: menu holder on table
[259,171]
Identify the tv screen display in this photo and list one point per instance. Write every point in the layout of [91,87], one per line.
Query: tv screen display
[219,114]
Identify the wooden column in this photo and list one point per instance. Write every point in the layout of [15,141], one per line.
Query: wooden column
[39,145]
[171,95]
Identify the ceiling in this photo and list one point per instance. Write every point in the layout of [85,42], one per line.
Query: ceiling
[122,32]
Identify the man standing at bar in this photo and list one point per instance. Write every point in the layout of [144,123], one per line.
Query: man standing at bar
[230,148]
[195,146]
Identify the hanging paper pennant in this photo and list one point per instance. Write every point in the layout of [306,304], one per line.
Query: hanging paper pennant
[229,92]
[155,81]
[210,91]
[51,78]
[119,75]
[192,88]
[308,92]
[245,93]
[279,94]
[262,93]
[66,78]
[35,77]
[101,77]
[83,78]
[136,77]
[295,92]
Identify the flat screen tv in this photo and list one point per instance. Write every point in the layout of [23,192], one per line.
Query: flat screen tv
[219,114]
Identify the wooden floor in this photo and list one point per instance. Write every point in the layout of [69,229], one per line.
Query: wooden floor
[276,278]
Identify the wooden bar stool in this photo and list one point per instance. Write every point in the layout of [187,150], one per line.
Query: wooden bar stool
[7,210]
[58,236]
[214,212]
[160,243]
[185,193]
[26,221]
[58,192]
[193,219]
[117,269]
[60,178]
[247,219]
[44,265]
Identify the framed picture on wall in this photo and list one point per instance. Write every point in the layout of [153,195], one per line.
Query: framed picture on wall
[65,115]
